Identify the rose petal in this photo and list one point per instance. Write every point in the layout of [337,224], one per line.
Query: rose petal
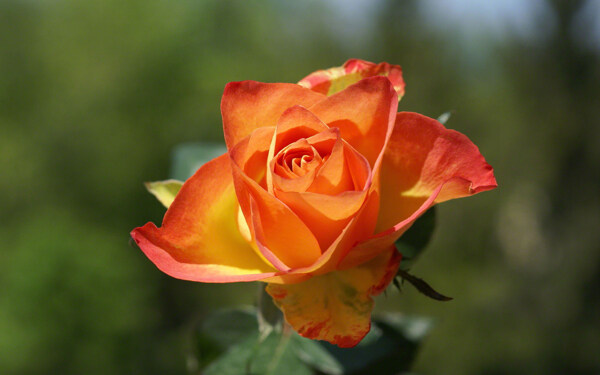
[360,228]
[333,80]
[367,249]
[288,180]
[340,195]
[339,188]
[422,155]
[424,164]
[325,215]
[294,124]
[199,238]
[251,154]
[364,113]
[249,105]
[336,307]
[334,175]
[362,225]
[268,216]
[344,170]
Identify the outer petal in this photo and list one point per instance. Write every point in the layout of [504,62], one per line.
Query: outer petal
[424,164]
[364,113]
[336,307]
[249,105]
[421,156]
[199,239]
[336,79]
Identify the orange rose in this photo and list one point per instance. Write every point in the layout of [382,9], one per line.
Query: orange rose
[312,194]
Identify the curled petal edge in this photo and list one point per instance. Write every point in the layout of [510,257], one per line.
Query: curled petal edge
[370,248]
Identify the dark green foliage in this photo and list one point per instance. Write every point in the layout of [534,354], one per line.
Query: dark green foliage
[422,286]
[411,244]
[389,348]
[229,344]
[416,238]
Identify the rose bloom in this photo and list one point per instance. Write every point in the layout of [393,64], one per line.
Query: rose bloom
[319,180]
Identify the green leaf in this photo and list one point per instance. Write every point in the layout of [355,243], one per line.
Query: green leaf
[272,356]
[228,327]
[220,330]
[316,356]
[422,286]
[413,328]
[415,240]
[228,342]
[231,344]
[164,191]
[188,157]
[389,348]
[444,117]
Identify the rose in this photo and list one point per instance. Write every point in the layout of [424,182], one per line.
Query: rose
[312,194]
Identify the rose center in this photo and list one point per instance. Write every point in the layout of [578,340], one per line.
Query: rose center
[296,160]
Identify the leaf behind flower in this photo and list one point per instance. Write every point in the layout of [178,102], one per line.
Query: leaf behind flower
[188,157]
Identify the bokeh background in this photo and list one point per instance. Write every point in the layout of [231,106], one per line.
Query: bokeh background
[95,95]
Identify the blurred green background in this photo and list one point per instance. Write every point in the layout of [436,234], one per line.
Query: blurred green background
[95,95]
